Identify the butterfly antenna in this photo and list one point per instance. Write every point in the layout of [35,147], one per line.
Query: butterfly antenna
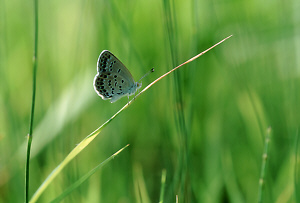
[150,71]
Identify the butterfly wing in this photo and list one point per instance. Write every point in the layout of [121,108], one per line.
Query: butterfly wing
[113,79]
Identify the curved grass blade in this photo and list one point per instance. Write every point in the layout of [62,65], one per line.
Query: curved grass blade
[94,134]
[85,177]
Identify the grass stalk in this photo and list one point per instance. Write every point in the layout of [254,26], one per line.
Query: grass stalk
[29,136]
[163,183]
[94,134]
[296,170]
[263,166]
[181,171]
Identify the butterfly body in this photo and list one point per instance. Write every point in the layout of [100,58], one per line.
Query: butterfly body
[113,80]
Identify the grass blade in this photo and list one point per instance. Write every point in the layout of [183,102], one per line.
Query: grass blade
[29,136]
[86,141]
[163,183]
[180,177]
[86,176]
[297,169]
[263,166]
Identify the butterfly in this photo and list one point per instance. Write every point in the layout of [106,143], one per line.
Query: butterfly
[113,80]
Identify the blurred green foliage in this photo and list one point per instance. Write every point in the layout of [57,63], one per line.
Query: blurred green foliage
[229,97]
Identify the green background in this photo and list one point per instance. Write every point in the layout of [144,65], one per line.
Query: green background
[205,124]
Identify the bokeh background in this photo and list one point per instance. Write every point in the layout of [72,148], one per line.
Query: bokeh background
[205,124]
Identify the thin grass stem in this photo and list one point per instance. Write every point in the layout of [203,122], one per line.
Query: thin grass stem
[163,183]
[180,176]
[296,170]
[188,61]
[263,166]
[29,136]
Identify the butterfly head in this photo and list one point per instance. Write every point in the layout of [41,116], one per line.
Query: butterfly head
[134,88]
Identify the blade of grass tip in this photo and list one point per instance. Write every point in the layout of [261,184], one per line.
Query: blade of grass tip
[164,75]
[29,136]
[163,183]
[85,177]
[263,165]
[296,170]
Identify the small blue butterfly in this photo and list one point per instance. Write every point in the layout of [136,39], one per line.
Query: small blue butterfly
[113,80]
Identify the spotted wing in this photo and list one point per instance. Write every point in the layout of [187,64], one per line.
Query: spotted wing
[113,79]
